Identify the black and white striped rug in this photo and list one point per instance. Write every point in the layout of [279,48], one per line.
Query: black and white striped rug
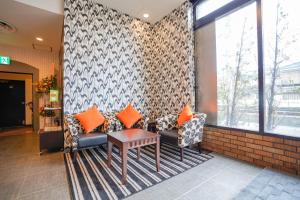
[90,178]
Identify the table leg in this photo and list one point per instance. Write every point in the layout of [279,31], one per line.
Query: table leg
[109,152]
[157,154]
[124,163]
[138,153]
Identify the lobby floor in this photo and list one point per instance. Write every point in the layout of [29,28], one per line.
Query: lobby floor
[24,174]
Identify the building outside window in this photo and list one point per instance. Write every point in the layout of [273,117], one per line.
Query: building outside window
[228,70]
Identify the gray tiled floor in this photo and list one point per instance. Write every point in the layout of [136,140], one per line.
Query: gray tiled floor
[26,175]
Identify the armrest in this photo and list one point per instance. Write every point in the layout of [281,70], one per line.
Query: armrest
[109,123]
[71,133]
[142,123]
[192,131]
[167,122]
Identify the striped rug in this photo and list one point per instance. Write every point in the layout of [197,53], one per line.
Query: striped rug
[90,178]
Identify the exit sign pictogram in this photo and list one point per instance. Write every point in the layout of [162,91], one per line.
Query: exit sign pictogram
[4,60]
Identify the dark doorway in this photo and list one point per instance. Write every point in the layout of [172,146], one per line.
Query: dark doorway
[12,103]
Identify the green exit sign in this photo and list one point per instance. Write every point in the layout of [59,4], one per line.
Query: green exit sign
[4,60]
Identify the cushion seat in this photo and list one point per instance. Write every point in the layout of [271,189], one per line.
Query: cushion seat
[91,139]
[169,136]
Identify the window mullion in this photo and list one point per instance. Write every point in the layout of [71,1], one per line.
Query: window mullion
[260,66]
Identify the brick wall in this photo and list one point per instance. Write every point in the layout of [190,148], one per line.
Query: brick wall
[265,151]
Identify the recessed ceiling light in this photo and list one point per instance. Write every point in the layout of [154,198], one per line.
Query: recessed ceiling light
[145,15]
[39,39]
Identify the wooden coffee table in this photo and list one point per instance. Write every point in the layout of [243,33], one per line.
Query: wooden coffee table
[130,139]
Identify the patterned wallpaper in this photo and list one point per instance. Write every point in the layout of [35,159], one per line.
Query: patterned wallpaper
[173,64]
[112,59]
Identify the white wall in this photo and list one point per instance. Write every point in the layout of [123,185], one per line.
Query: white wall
[46,62]
[42,60]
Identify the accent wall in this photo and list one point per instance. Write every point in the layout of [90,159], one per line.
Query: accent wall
[112,59]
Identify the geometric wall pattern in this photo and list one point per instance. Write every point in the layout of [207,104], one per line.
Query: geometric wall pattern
[112,59]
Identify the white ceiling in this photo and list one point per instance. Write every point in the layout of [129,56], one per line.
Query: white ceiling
[33,18]
[157,9]
[44,18]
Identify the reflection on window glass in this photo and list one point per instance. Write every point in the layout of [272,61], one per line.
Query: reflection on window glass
[228,73]
[237,85]
[208,6]
[282,66]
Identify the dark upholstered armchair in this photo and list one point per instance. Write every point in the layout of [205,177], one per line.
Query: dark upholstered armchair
[75,139]
[188,134]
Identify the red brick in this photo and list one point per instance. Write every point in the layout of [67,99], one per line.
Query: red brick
[244,139]
[263,153]
[233,137]
[218,150]
[227,153]
[247,149]
[273,150]
[290,165]
[217,142]
[285,147]
[292,142]
[223,131]
[245,158]
[273,161]
[254,146]
[226,148]
[252,155]
[285,158]
[217,134]
[273,139]
[213,137]
[224,139]
[230,145]
[262,163]
[263,143]
[237,151]
[288,170]
[238,133]
[298,149]
[239,143]
[292,154]
[253,136]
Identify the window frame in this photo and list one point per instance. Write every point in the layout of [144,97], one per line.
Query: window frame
[231,7]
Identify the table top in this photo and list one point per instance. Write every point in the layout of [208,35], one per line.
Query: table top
[129,135]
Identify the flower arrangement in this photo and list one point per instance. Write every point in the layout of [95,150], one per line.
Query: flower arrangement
[47,83]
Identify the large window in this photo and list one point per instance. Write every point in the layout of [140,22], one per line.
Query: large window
[208,6]
[231,50]
[282,66]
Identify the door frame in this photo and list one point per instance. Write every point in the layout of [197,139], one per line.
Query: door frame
[22,68]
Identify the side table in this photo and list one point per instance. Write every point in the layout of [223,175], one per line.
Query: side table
[51,140]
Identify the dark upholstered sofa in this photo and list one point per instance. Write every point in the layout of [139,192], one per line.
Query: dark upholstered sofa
[76,140]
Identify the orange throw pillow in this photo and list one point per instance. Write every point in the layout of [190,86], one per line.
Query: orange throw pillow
[90,119]
[129,116]
[185,115]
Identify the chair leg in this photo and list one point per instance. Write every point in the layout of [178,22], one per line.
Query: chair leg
[199,147]
[75,155]
[181,153]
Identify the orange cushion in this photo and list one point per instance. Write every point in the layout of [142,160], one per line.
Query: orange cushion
[90,119]
[129,116]
[185,115]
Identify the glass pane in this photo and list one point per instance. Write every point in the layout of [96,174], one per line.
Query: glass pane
[226,52]
[207,6]
[282,66]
